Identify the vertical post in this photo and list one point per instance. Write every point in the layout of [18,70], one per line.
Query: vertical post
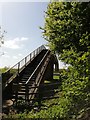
[39,96]
[37,51]
[40,48]
[34,53]
[17,86]
[18,67]
[16,96]
[30,57]
[25,61]
[27,93]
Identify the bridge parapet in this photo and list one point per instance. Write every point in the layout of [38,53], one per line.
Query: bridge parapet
[11,73]
[36,67]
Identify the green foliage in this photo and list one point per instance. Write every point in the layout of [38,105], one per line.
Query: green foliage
[56,77]
[67,30]
[2,70]
[2,36]
[67,26]
[62,26]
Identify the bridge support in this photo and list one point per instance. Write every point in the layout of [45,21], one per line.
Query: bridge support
[32,75]
[48,75]
[50,68]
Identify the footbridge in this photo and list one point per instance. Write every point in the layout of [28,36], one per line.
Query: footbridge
[24,80]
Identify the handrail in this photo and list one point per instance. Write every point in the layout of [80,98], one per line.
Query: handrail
[36,68]
[35,86]
[17,68]
[41,47]
[42,71]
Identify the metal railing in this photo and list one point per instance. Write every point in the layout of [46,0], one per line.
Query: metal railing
[42,67]
[17,68]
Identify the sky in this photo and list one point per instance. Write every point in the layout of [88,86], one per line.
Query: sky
[21,21]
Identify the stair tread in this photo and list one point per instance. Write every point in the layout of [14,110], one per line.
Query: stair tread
[29,69]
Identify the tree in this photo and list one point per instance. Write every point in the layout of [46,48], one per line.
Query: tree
[67,30]
[2,36]
[2,39]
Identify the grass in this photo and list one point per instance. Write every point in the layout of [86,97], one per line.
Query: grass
[55,77]
[46,104]
[46,81]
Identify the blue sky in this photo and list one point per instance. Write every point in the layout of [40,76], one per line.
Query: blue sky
[21,20]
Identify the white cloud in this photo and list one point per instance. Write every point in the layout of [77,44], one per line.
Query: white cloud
[26,1]
[1,54]
[15,57]
[15,43]
[11,44]
[20,54]
[24,39]
[6,56]
[5,52]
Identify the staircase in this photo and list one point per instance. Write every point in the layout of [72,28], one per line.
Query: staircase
[24,80]
[27,84]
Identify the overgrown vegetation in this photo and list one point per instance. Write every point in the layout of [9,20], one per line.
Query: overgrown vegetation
[47,110]
[67,29]
[2,70]
[71,104]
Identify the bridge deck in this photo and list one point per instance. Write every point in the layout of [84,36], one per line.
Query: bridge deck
[23,81]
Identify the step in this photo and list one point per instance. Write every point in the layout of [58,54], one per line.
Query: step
[23,85]
[26,77]
[23,81]
[19,93]
[29,70]
[28,74]
[19,97]
[23,94]
[23,90]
